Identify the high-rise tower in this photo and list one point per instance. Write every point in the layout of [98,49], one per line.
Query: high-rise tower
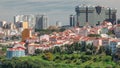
[41,22]
[72,20]
[25,18]
[94,15]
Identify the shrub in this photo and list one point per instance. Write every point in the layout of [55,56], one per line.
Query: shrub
[48,56]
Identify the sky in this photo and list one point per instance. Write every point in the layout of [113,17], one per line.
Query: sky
[56,10]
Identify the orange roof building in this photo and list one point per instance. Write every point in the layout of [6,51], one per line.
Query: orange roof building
[26,33]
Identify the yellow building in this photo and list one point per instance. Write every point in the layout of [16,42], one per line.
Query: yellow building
[26,33]
[24,25]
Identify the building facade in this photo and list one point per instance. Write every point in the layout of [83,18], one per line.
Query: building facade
[112,47]
[41,22]
[30,19]
[94,15]
[117,31]
[16,51]
[2,23]
[73,20]
[26,34]
[31,49]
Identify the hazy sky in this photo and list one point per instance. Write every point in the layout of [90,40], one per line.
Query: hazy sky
[57,10]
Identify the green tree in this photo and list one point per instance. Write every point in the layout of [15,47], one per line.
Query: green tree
[4,48]
[101,50]
[94,35]
[85,58]
[77,46]
[108,51]
[48,56]
[57,49]
[83,48]
[38,51]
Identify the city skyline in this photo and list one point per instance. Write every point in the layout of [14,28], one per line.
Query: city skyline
[57,10]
